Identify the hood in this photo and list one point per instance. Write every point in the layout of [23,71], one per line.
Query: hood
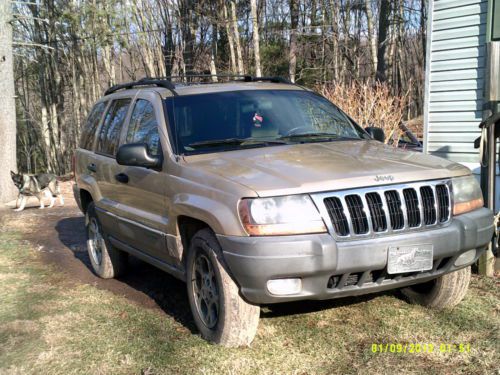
[328,166]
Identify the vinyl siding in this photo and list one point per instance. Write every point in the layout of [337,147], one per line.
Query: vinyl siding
[455,74]
[455,70]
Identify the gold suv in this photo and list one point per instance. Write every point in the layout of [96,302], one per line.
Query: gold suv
[257,191]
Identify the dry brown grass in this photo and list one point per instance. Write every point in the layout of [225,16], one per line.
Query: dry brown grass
[370,104]
[51,325]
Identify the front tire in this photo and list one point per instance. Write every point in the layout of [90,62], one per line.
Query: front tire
[220,314]
[444,292]
[107,261]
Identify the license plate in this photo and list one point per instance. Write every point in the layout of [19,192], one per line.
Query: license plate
[409,258]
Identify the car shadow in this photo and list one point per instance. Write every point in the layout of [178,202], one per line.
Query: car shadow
[167,292]
[310,306]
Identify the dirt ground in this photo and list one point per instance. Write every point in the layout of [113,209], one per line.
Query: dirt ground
[58,234]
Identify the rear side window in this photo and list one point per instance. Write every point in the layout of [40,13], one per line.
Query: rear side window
[88,133]
[143,127]
[107,142]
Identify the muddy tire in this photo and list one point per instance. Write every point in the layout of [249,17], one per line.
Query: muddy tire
[444,292]
[107,261]
[219,312]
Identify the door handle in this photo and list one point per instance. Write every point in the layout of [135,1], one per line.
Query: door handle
[121,177]
[92,167]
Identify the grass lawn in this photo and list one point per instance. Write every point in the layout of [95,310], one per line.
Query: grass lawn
[51,325]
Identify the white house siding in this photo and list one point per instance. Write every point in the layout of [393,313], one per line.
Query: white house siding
[455,79]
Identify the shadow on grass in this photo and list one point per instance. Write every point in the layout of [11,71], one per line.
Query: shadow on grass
[304,307]
[166,291]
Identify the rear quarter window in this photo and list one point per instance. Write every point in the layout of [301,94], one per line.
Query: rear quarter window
[109,135]
[91,125]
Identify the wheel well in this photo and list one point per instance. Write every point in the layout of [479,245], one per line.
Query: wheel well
[188,226]
[85,199]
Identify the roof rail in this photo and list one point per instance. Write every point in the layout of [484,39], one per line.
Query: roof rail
[267,79]
[166,82]
[239,77]
[143,82]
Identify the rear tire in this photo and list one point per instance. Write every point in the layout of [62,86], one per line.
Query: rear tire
[220,314]
[107,261]
[444,292]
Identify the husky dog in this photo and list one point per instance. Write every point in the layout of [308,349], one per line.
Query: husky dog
[36,185]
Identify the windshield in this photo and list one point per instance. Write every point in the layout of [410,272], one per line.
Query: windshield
[257,118]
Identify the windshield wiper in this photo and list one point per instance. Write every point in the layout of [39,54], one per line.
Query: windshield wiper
[235,142]
[329,136]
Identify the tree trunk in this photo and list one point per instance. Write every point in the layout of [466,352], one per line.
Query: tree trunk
[383,26]
[371,35]
[256,46]
[213,53]
[7,105]
[294,15]
[239,53]
[230,38]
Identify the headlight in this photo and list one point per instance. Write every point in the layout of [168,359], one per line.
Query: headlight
[294,214]
[467,195]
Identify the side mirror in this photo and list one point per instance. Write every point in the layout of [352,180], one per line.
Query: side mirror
[137,155]
[376,133]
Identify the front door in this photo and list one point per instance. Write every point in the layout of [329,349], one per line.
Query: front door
[142,200]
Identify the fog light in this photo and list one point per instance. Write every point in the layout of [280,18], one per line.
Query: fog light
[465,258]
[283,287]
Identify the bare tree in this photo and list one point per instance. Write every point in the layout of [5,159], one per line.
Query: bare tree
[7,105]
[239,54]
[383,27]
[294,15]
[371,35]
[256,46]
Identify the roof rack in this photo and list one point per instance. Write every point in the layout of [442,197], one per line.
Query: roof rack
[166,82]
[235,77]
[143,82]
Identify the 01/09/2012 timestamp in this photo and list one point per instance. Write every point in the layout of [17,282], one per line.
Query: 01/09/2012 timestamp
[420,348]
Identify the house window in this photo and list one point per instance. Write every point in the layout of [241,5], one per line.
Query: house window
[495,21]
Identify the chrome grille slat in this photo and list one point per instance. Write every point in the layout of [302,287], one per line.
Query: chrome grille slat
[389,209]
[348,216]
[358,216]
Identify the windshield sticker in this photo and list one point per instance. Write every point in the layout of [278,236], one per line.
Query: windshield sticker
[257,120]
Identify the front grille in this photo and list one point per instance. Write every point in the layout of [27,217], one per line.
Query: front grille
[387,209]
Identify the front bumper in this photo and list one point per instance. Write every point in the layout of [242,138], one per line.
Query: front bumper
[330,269]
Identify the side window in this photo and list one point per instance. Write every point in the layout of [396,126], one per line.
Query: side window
[107,142]
[90,127]
[143,127]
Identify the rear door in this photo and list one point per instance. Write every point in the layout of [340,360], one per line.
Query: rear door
[85,162]
[105,167]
